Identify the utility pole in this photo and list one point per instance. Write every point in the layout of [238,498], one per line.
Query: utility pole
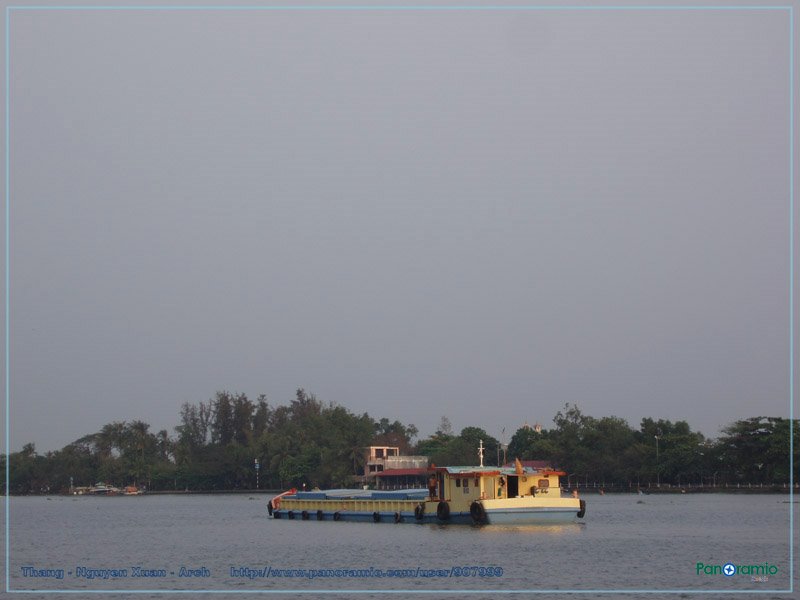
[658,469]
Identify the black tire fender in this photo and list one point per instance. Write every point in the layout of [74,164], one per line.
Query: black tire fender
[376,517]
[477,512]
[304,515]
[290,514]
[419,512]
[320,515]
[398,517]
[443,511]
[582,511]
[337,516]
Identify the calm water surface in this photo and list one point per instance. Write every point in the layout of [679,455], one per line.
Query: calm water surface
[627,543]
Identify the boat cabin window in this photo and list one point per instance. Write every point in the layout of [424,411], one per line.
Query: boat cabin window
[463,483]
[543,483]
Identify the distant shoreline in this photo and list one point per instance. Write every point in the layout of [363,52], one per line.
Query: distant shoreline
[588,492]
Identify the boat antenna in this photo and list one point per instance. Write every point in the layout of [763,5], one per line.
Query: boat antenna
[480,451]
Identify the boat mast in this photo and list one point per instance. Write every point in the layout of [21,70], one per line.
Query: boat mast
[480,451]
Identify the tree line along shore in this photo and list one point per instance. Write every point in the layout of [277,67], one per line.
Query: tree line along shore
[308,442]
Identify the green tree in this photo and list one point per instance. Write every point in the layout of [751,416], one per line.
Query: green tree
[527,444]
[757,450]
[223,426]
[572,431]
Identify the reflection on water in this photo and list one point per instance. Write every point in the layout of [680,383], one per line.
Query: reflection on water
[550,530]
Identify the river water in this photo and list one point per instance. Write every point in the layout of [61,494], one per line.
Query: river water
[227,542]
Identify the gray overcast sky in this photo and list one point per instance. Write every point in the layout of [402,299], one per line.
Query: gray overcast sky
[482,215]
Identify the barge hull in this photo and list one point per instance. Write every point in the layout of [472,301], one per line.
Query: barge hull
[369,517]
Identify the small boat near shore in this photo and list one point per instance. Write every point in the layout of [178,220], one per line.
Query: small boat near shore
[466,495]
[101,489]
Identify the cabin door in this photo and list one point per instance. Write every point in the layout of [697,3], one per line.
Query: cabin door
[513,486]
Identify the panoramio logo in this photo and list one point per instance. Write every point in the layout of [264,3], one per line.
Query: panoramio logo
[730,569]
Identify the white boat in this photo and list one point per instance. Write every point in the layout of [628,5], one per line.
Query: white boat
[101,489]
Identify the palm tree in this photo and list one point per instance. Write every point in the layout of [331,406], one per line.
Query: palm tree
[165,445]
[110,438]
[138,438]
